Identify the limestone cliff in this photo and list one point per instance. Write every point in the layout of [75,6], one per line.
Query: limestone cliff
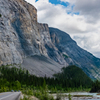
[20,36]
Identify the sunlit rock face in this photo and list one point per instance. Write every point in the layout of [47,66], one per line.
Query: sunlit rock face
[38,48]
[20,36]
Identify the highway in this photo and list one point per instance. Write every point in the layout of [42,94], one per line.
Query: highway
[10,96]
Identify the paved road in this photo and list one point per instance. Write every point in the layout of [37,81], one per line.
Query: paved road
[10,96]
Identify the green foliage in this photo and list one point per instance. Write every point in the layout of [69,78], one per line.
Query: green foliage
[65,56]
[28,91]
[0,15]
[95,86]
[17,85]
[69,97]
[73,76]
[26,98]
[43,94]
[58,96]
[38,94]
[53,90]
[4,85]
[46,97]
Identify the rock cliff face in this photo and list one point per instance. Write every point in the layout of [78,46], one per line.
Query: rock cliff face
[25,41]
[21,34]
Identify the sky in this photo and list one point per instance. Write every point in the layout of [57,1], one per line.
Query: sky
[79,18]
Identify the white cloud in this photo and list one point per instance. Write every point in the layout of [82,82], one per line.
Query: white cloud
[84,28]
[90,42]
[31,2]
[88,8]
[70,1]
[65,0]
[56,16]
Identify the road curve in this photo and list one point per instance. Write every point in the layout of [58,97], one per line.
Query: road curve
[10,96]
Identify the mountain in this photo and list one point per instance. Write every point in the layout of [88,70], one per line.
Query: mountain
[35,46]
[80,57]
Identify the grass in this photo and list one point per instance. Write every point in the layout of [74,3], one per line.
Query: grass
[59,96]
[78,90]
[69,97]
[41,94]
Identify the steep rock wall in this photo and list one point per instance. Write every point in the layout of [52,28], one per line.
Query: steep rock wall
[22,36]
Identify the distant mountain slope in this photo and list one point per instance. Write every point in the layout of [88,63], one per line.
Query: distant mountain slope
[83,59]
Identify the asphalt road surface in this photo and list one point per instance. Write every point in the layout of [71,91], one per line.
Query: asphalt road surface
[10,96]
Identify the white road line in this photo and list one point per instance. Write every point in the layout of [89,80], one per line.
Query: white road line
[7,96]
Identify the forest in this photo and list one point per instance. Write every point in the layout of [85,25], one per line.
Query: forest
[71,78]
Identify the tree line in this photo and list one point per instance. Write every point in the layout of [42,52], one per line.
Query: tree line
[18,78]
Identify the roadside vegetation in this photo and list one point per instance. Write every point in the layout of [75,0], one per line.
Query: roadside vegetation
[72,78]
[95,86]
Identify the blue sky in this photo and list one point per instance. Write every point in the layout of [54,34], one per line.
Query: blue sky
[59,2]
[79,18]
[65,4]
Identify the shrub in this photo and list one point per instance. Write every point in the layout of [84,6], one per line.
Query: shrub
[0,15]
[43,96]
[58,96]
[26,98]
[28,92]
[69,97]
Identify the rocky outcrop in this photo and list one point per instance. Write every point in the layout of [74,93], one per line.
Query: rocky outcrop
[25,41]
